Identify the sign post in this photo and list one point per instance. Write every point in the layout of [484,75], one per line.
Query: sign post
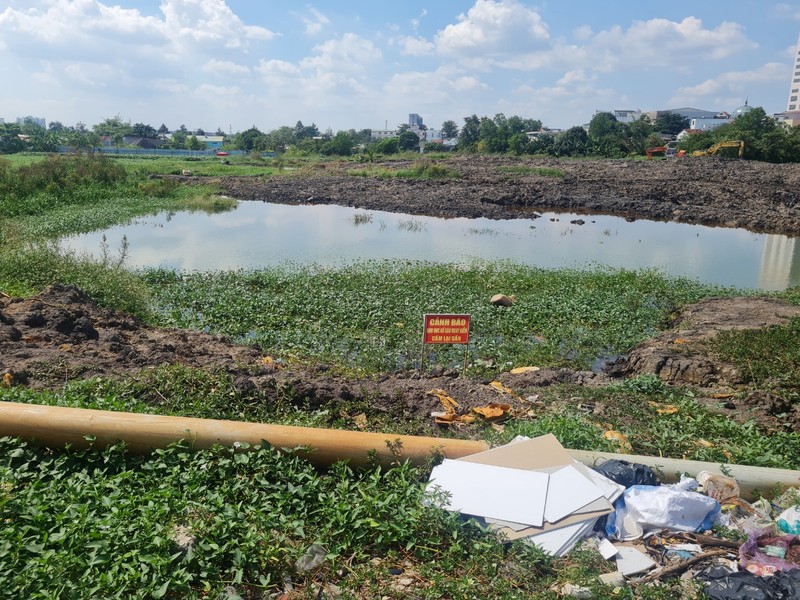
[445,329]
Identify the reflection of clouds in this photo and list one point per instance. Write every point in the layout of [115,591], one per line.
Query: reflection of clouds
[260,234]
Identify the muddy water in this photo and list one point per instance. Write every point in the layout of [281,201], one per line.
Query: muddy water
[257,235]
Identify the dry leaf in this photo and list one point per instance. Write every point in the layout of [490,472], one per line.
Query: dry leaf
[8,380]
[447,401]
[267,360]
[520,370]
[722,396]
[664,409]
[492,410]
[620,439]
[680,341]
[704,443]
[360,420]
[498,427]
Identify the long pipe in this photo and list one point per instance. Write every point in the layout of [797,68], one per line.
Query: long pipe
[753,481]
[56,426]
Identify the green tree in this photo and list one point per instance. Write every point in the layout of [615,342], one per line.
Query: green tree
[10,142]
[250,139]
[607,135]
[670,123]
[408,140]
[194,144]
[572,142]
[637,134]
[386,146]
[470,134]
[145,131]
[449,130]
[341,144]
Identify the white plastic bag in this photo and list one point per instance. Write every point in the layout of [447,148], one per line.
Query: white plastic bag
[645,508]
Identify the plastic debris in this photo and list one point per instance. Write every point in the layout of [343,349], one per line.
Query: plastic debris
[789,520]
[720,487]
[643,509]
[628,474]
[313,558]
[746,586]
[754,556]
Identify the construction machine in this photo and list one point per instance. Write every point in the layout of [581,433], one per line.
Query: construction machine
[656,150]
[717,147]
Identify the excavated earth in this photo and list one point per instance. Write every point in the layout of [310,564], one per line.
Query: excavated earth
[756,196]
[62,335]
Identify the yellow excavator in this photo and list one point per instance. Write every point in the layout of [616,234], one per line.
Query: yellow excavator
[738,144]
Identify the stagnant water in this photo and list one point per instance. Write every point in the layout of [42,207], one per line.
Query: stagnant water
[258,234]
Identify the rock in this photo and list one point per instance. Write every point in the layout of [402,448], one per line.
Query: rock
[614,579]
[502,300]
[575,591]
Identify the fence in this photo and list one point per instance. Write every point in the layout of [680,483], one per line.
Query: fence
[117,151]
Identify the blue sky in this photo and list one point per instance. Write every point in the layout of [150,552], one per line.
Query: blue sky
[364,64]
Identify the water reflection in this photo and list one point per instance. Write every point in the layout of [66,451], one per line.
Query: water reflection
[257,235]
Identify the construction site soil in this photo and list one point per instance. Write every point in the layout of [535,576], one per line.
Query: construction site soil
[62,335]
[751,195]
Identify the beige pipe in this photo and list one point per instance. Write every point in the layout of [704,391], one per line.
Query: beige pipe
[56,426]
[753,481]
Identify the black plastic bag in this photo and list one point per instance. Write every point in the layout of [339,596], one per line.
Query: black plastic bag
[783,585]
[628,474]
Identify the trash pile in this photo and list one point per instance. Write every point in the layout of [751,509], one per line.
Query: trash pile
[534,490]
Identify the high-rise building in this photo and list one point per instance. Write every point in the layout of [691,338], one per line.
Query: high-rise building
[414,120]
[39,121]
[794,88]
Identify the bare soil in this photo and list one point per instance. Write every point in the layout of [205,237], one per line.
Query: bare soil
[63,335]
[756,196]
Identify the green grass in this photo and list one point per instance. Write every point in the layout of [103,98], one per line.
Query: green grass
[420,169]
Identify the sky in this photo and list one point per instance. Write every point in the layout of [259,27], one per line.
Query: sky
[358,64]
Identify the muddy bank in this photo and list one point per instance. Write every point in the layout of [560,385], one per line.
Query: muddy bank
[62,335]
[756,196]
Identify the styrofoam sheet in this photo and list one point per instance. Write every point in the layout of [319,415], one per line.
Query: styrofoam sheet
[491,491]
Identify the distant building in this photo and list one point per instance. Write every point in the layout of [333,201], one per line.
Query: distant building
[2,121]
[626,116]
[414,120]
[382,134]
[707,124]
[39,121]
[794,86]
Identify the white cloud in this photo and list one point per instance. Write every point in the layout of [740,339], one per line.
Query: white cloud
[224,67]
[315,21]
[209,22]
[350,53]
[416,46]
[733,84]
[493,27]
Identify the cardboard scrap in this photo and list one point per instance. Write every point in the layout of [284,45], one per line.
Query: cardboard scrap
[571,496]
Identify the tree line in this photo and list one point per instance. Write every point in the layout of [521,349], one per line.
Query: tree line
[765,138]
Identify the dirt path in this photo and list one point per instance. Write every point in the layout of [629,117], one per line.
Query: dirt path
[756,196]
[62,335]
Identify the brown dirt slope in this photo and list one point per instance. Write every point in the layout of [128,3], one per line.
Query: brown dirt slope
[756,196]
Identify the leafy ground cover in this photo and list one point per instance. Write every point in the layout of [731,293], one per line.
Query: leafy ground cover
[368,315]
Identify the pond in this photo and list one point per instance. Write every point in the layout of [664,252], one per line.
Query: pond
[257,235]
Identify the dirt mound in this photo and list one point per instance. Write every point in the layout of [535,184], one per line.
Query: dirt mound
[756,196]
[681,356]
